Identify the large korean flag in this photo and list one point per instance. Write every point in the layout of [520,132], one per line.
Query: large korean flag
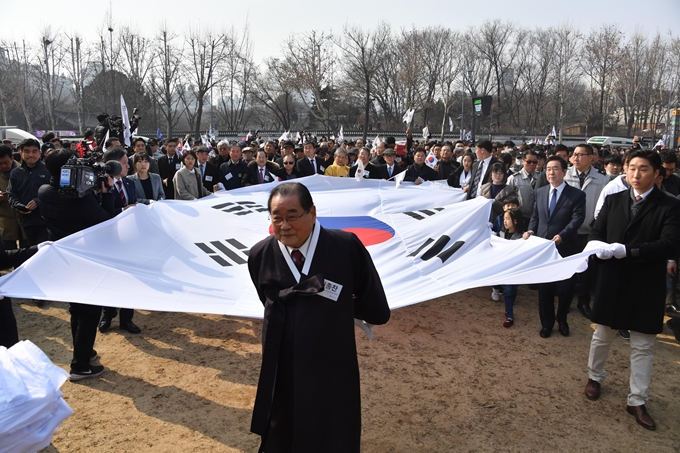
[190,256]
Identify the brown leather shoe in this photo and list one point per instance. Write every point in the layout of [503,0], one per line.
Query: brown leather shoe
[641,416]
[592,390]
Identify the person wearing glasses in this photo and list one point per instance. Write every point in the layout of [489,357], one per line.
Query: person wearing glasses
[314,283]
[524,183]
[287,170]
[582,175]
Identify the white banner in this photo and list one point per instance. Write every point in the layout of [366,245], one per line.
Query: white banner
[190,256]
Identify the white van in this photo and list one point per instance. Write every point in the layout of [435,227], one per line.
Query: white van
[15,134]
[611,141]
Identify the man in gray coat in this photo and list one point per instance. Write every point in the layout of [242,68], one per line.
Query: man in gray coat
[582,175]
[524,182]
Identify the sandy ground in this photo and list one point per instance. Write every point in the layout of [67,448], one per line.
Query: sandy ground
[441,376]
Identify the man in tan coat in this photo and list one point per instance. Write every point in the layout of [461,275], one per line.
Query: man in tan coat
[10,231]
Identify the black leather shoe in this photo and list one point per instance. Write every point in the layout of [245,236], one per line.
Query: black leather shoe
[545,332]
[130,327]
[592,390]
[104,324]
[564,329]
[674,325]
[641,416]
[584,309]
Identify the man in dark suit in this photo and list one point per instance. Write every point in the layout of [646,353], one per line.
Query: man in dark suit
[209,173]
[261,170]
[481,169]
[558,213]
[642,226]
[314,283]
[125,196]
[168,165]
[390,169]
[310,164]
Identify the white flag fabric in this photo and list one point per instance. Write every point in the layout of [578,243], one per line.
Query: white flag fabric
[660,143]
[186,147]
[190,256]
[376,141]
[298,138]
[359,175]
[106,139]
[31,405]
[426,133]
[126,122]
[399,179]
[341,134]
[408,116]
[431,160]
[450,125]
[468,136]
[553,133]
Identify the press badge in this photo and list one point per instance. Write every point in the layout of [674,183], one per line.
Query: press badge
[331,290]
[208,178]
[228,176]
[178,166]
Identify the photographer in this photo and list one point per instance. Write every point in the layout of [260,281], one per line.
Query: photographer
[65,216]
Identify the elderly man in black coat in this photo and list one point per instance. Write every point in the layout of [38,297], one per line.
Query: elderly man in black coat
[314,283]
[642,225]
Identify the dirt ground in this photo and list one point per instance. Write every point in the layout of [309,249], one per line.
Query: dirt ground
[440,376]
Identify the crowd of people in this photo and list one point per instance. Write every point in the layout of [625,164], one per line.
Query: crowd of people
[569,195]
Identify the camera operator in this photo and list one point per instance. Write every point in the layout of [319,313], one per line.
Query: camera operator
[101,129]
[65,216]
[125,196]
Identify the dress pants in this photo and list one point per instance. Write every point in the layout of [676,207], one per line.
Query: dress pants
[641,361]
[9,336]
[125,314]
[84,322]
[564,290]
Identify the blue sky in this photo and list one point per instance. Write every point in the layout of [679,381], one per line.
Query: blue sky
[271,21]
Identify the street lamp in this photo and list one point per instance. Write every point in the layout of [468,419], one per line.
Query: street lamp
[113,80]
[473,93]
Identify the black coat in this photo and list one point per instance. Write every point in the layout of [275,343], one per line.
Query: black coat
[167,167]
[131,194]
[210,177]
[445,169]
[424,172]
[631,292]
[309,362]
[369,169]
[568,216]
[233,174]
[304,168]
[253,173]
[454,178]
[65,216]
[384,174]
[24,183]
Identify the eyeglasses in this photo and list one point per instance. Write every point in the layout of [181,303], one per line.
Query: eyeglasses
[534,162]
[288,163]
[291,219]
[579,155]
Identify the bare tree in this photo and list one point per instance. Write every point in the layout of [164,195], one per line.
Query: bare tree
[274,91]
[309,60]
[235,80]
[49,61]
[77,56]
[164,83]
[450,68]
[566,67]
[364,53]
[602,55]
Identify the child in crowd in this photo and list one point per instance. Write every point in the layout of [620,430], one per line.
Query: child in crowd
[510,201]
[513,228]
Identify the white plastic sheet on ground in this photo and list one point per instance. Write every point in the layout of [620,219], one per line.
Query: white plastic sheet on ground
[191,256]
[31,404]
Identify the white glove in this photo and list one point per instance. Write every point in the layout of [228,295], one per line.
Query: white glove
[605,254]
[619,250]
[366,327]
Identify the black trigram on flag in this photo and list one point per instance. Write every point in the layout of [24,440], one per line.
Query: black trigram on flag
[420,215]
[436,248]
[240,207]
[229,252]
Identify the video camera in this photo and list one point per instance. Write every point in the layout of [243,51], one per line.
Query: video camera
[81,176]
[114,125]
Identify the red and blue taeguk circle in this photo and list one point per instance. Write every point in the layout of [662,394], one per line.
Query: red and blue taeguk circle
[369,230]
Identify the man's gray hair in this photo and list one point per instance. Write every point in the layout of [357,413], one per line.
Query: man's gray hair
[223,142]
